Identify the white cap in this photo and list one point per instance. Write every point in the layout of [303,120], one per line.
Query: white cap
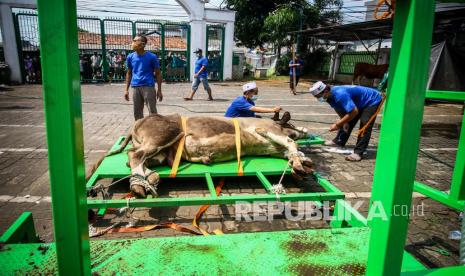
[317,88]
[249,86]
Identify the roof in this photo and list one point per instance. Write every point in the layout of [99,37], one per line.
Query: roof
[380,29]
[115,41]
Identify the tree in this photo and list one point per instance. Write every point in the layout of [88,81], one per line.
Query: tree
[269,21]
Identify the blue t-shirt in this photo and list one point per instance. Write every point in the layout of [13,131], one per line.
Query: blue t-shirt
[346,97]
[142,68]
[240,107]
[297,69]
[201,61]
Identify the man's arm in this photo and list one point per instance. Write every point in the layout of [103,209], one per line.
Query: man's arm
[200,71]
[128,82]
[264,109]
[159,79]
[345,119]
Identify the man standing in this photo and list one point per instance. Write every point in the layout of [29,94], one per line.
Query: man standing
[351,103]
[244,106]
[95,62]
[295,66]
[141,67]
[200,75]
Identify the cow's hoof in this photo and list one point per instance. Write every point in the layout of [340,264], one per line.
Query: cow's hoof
[141,185]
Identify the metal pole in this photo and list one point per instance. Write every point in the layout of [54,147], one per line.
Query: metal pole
[62,100]
[293,69]
[457,188]
[400,136]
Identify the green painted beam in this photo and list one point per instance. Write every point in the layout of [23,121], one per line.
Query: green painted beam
[400,136]
[193,201]
[63,116]
[328,186]
[445,271]
[345,213]
[266,184]
[211,186]
[457,187]
[21,231]
[439,196]
[446,95]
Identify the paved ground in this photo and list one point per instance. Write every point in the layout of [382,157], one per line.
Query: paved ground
[24,181]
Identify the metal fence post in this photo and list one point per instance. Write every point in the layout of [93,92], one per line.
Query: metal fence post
[104,53]
[400,136]
[222,53]
[457,188]
[163,54]
[62,100]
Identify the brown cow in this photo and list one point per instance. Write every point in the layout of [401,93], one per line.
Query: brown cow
[208,139]
[369,71]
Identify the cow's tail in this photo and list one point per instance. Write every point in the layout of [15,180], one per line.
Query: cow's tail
[126,141]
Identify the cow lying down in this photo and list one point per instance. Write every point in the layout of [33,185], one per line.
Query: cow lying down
[207,140]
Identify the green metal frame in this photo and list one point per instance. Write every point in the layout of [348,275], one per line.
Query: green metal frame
[114,167]
[393,181]
[456,197]
[21,231]
[217,27]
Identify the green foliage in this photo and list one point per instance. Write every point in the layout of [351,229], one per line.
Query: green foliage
[279,23]
[269,21]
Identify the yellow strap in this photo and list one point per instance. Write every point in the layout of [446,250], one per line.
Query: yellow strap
[240,171]
[177,158]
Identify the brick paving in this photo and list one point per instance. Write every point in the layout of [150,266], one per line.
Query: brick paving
[24,183]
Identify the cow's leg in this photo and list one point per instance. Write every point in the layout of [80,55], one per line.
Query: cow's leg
[142,179]
[300,164]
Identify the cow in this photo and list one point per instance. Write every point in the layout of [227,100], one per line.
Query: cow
[369,71]
[207,140]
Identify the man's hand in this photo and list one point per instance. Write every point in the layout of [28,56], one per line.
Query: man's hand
[196,75]
[277,108]
[334,127]
[126,95]
[159,96]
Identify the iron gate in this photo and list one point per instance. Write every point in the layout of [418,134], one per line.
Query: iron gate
[104,45]
[177,52]
[90,48]
[215,50]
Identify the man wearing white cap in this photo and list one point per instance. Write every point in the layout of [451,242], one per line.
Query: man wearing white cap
[244,106]
[352,103]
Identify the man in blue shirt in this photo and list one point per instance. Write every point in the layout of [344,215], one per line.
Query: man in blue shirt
[244,106]
[351,103]
[142,65]
[201,75]
[294,66]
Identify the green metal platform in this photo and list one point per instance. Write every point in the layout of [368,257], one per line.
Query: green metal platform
[115,166]
[309,252]
[260,166]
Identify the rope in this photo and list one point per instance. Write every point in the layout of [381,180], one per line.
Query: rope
[361,132]
[278,189]
[204,208]
[177,158]
[240,171]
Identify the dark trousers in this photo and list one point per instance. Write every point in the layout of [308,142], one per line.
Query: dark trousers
[362,141]
[291,81]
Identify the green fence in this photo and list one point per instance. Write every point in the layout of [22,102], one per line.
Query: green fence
[177,52]
[105,44]
[215,50]
[349,59]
